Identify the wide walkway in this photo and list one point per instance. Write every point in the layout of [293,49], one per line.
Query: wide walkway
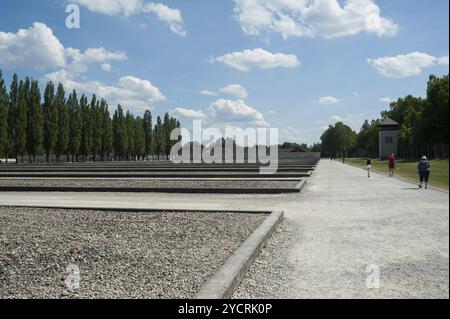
[345,224]
[351,224]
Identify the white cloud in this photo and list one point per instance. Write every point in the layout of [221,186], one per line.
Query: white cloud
[407,65]
[258,58]
[236,90]
[301,18]
[106,67]
[224,113]
[271,112]
[172,17]
[443,60]
[112,7]
[35,47]
[208,93]
[190,114]
[354,120]
[327,100]
[131,92]
[236,112]
[79,62]
[291,134]
[387,100]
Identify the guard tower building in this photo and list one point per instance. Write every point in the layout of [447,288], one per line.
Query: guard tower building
[388,138]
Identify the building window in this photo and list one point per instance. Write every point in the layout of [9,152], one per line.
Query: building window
[388,140]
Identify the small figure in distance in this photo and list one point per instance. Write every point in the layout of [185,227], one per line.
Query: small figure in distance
[424,171]
[369,166]
[391,160]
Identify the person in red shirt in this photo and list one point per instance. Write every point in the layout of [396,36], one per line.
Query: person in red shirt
[391,160]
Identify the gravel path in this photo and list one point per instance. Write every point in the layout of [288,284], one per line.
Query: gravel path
[147,183]
[120,255]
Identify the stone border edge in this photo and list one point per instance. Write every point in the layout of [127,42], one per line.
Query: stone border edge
[223,283]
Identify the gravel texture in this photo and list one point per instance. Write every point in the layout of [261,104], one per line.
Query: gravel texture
[148,183]
[120,255]
[272,273]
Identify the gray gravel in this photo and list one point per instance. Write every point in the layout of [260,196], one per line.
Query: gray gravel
[148,183]
[272,274]
[120,255]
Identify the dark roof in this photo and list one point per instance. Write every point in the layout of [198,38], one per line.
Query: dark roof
[388,122]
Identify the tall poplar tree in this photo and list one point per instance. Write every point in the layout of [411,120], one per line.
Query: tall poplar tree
[129,124]
[86,131]
[148,133]
[120,140]
[139,138]
[107,136]
[159,137]
[19,109]
[63,131]
[50,126]
[75,125]
[34,122]
[4,142]
[97,128]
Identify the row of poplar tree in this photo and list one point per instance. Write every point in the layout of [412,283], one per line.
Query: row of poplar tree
[75,128]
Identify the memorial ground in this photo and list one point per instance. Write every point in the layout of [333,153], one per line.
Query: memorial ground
[340,230]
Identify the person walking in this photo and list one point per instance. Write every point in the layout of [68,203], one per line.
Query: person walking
[424,171]
[369,166]
[391,160]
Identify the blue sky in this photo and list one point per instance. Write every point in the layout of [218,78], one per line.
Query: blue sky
[292,64]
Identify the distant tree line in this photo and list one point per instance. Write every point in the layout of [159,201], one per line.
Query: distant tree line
[76,128]
[423,127]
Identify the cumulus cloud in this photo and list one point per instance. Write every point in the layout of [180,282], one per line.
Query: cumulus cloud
[325,18]
[131,92]
[327,100]
[106,67]
[387,100]
[236,90]
[258,58]
[208,93]
[443,60]
[402,66]
[292,134]
[35,47]
[349,119]
[172,17]
[190,114]
[226,113]
[78,62]
[236,112]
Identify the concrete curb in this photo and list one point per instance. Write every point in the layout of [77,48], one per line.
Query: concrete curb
[150,190]
[301,185]
[145,210]
[223,283]
[158,176]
